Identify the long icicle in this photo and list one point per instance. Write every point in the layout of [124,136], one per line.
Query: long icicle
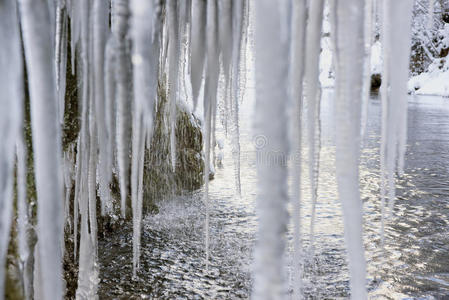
[297,77]
[198,39]
[100,25]
[368,35]
[349,61]
[312,97]
[11,100]
[120,28]
[210,97]
[400,54]
[145,70]
[173,65]
[271,67]
[47,148]
[237,27]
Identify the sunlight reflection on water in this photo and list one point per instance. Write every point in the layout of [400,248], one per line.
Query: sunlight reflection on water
[416,260]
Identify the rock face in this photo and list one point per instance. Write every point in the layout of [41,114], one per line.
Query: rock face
[160,180]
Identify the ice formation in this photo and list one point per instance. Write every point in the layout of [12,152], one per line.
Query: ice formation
[121,51]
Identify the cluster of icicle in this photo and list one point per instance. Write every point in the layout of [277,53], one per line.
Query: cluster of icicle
[287,47]
[120,49]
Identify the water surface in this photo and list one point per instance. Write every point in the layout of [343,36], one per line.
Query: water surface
[415,263]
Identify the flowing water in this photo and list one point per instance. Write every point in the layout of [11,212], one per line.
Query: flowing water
[415,263]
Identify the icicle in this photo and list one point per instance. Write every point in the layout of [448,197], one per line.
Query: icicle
[100,25]
[313,98]
[349,59]
[60,55]
[75,25]
[225,27]
[47,149]
[397,49]
[138,146]
[237,27]
[88,271]
[25,231]
[431,13]
[297,76]
[78,168]
[173,64]
[185,8]
[93,158]
[164,52]
[401,37]
[11,100]
[210,97]
[88,268]
[384,120]
[198,47]
[110,105]
[368,35]
[271,66]
[145,71]
[63,70]
[121,11]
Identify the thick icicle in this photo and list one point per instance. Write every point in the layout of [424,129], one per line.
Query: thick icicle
[313,98]
[10,117]
[349,61]
[225,35]
[88,269]
[400,55]
[145,70]
[237,27]
[198,47]
[297,76]
[47,147]
[396,48]
[120,28]
[271,69]
[173,64]
[75,25]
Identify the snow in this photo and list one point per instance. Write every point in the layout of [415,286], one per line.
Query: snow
[433,82]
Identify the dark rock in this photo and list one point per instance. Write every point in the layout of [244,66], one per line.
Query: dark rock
[376,82]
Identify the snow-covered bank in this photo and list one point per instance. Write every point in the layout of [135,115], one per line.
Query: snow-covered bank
[433,82]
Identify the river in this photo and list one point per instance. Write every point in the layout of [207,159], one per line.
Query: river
[415,263]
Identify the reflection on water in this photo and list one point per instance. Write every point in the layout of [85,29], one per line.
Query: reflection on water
[416,259]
